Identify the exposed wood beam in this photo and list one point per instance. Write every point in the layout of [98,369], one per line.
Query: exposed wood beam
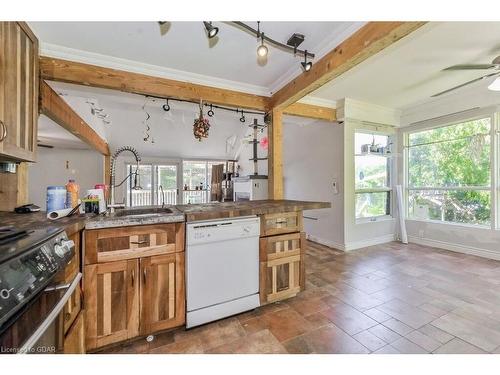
[54,107]
[91,75]
[53,69]
[311,111]
[275,156]
[367,41]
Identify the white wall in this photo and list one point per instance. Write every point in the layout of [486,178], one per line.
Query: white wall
[312,159]
[85,166]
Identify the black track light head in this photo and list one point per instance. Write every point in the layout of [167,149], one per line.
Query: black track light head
[212,31]
[306,65]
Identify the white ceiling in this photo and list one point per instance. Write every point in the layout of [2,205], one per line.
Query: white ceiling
[52,134]
[184,52]
[410,71]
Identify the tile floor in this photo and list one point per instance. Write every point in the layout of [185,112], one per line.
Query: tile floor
[390,298]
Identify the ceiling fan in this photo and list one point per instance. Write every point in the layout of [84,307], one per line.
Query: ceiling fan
[495,64]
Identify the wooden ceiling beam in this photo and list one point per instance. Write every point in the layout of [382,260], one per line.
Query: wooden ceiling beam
[311,111]
[54,107]
[52,69]
[364,43]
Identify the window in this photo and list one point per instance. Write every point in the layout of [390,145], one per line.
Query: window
[196,180]
[372,175]
[152,177]
[449,173]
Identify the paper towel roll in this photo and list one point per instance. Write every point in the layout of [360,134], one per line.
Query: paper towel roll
[54,215]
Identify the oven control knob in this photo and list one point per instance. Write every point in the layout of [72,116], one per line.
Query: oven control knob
[63,247]
[5,293]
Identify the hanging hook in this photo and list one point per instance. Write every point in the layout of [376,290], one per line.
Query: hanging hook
[210,111]
[242,118]
[166,107]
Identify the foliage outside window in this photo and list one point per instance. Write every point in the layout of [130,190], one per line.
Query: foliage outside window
[449,173]
[372,175]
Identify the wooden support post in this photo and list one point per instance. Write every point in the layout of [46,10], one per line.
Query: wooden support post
[275,158]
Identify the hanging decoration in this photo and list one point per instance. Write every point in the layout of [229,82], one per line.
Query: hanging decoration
[201,125]
[145,122]
[264,143]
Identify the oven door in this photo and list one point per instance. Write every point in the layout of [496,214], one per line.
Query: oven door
[40,327]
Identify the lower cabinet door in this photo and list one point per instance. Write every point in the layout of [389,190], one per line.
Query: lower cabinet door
[281,278]
[111,302]
[162,292]
[74,341]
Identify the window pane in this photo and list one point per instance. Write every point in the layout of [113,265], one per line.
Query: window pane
[194,174]
[167,178]
[446,133]
[371,172]
[368,139]
[372,204]
[462,162]
[459,206]
[143,196]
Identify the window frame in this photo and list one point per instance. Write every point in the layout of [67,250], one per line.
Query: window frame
[390,178]
[493,188]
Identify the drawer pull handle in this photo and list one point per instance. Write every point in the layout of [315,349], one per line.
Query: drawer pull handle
[281,222]
[132,276]
[3,133]
[144,273]
[138,242]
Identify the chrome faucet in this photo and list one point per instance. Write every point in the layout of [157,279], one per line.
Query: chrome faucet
[112,205]
[162,196]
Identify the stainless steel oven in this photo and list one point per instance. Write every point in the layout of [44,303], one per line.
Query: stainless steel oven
[33,292]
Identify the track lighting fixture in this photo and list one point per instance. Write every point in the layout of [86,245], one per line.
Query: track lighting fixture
[166,106]
[212,31]
[242,118]
[306,65]
[262,50]
[210,111]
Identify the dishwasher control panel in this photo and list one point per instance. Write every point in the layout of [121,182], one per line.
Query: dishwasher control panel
[220,230]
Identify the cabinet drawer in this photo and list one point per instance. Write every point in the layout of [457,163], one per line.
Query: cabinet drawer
[112,244]
[282,246]
[281,223]
[72,309]
[281,278]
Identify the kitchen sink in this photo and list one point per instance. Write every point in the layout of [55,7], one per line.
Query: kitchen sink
[143,212]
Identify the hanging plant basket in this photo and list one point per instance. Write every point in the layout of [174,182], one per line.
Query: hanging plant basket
[201,126]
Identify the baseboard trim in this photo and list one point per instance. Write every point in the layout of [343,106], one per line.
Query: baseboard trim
[483,253]
[353,245]
[369,242]
[328,243]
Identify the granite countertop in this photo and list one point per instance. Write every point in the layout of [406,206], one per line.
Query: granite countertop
[180,213]
[208,211]
[115,220]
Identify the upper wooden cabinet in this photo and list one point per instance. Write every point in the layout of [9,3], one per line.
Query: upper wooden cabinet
[18,92]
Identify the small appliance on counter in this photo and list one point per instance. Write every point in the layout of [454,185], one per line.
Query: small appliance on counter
[27,208]
[250,188]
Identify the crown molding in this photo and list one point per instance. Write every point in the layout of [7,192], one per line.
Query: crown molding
[322,102]
[66,53]
[328,43]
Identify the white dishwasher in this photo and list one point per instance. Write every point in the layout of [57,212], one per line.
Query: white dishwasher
[222,268]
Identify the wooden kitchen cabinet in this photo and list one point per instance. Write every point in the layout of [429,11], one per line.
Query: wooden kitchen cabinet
[111,302]
[72,309]
[74,341]
[134,293]
[282,256]
[110,244]
[280,223]
[19,82]
[163,303]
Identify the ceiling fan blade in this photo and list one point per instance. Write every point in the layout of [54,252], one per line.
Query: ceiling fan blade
[471,66]
[465,84]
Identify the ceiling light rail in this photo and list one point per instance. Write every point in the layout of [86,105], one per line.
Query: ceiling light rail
[260,35]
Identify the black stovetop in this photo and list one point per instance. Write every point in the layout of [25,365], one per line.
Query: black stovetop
[23,241]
